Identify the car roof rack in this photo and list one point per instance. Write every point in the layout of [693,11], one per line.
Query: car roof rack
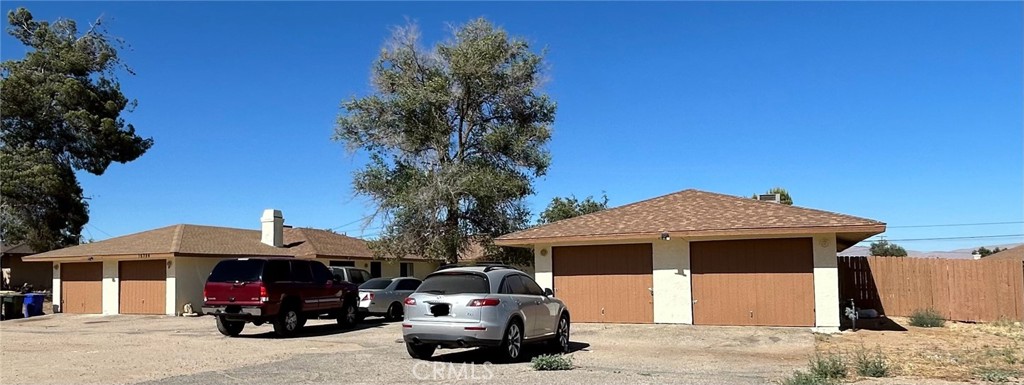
[487,265]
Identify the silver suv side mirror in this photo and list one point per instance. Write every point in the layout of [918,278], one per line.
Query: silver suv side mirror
[548,292]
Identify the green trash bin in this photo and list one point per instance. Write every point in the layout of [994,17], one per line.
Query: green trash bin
[12,306]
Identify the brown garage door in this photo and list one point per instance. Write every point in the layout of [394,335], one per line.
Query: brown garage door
[81,288]
[753,282]
[143,287]
[607,283]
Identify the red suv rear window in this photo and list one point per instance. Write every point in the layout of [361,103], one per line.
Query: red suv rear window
[237,270]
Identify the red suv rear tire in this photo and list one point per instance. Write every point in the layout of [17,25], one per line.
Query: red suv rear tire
[229,328]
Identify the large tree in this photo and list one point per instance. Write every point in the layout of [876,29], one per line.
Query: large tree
[456,135]
[569,207]
[61,108]
[885,248]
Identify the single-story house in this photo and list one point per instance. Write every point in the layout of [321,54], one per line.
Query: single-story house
[159,271]
[695,257]
[17,273]
[1011,254]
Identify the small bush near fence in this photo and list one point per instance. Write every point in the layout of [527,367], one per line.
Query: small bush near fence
[830,366]
[927,318]
[871,364]
[805,378]
[552,362]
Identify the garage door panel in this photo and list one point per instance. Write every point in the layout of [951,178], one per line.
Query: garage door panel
[81,288]
[606,283]
[753,282]
[143,287]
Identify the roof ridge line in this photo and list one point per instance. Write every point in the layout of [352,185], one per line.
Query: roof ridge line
[794,207]
[612,208]
[176,239]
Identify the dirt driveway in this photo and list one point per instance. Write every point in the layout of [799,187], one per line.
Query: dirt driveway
[61,348]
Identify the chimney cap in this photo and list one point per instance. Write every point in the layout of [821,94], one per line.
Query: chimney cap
[271,214]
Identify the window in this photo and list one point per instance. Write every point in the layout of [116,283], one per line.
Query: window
[376,284]
[321,274]
[455,283]
[406,270]
[358,276]
[233,270]
[343,263]
[407,284]
[532,288]
[513,285]
[375,269]
[277,271]
[301,272]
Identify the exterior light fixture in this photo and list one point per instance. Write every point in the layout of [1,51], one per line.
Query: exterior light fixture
[665,237]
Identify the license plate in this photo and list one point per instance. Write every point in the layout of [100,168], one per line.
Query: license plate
[440,310]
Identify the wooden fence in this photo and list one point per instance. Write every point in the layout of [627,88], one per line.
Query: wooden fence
[961,290]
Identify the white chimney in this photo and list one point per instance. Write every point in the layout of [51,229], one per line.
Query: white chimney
[273,227]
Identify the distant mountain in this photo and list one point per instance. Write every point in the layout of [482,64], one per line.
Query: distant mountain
[860,251]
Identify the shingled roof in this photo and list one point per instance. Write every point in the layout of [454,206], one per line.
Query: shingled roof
[199,241]
[1015,253]
[698,213]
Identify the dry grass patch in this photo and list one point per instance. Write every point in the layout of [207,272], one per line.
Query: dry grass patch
[956,352]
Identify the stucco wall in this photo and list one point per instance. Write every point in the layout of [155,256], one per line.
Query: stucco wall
[188,275]
[111,287]
[673,302]
[542,266]
[826,284]
[56,284]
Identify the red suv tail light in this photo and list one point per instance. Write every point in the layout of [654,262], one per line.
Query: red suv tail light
[204,294]
[484,302]
[263,294]
[410,301]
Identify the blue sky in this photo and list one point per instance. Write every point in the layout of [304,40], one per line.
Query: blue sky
[909,113]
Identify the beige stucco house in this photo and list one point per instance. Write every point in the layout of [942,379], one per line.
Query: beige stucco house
[696,257]
[160,271]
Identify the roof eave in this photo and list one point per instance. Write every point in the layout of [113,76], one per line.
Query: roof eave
[528,242]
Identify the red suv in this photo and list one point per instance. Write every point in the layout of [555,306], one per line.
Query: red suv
[281,291]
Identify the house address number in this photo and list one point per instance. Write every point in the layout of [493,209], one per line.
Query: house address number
[143,256]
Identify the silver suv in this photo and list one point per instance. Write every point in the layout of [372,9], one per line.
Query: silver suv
[493,306]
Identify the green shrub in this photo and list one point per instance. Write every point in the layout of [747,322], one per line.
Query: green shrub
[871,365]
[805,378]
[828,367]
[994,374]
[927,318]
[552,362]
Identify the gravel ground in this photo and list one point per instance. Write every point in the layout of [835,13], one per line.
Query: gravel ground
[58,349]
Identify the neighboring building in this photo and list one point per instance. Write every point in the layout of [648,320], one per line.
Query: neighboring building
[695,257]
[159,271]
[1016,253]
[17,273]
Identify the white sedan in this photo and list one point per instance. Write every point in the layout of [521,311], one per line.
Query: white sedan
[384,296]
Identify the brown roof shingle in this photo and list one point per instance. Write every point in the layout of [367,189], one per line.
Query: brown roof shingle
[197,240]
[1015,253]
[694,213]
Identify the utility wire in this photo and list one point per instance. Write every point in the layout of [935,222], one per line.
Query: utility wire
[944,238]
[101,230]
[353,222]
[956,225]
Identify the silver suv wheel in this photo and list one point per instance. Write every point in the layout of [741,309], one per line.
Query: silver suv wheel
[515,341]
